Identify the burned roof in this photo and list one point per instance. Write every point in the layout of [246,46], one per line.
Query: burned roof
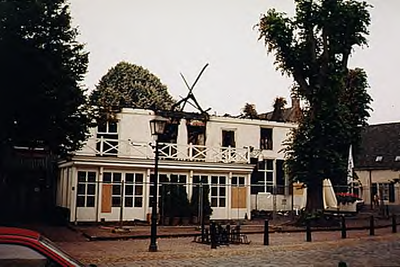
[380,147]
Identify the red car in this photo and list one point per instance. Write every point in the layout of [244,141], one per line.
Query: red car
[22,247]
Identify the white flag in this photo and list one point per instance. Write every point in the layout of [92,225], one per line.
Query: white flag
[350,166]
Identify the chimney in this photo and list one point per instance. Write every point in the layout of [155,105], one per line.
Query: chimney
[295,102]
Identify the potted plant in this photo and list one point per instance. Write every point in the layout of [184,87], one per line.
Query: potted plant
[165,204]
[183,205]
[195,204]
[348,201]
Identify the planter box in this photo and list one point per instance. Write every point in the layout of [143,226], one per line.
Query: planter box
[348,207]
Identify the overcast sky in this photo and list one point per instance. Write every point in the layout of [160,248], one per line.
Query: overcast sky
[169,37]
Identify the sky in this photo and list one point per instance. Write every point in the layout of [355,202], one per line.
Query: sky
[181,36]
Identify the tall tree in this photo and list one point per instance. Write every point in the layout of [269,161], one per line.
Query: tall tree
[279,107]
[314,48]
[129,85]
[249,111]
[42,103]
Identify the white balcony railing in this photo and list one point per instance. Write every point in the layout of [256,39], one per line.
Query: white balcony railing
[128,149]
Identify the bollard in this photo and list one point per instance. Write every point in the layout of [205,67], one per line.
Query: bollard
[344,234]
[394,224]
[371,226]
[213,235]
[266,233]
[308,231]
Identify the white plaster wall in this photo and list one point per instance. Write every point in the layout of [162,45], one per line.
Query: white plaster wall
[265,201]
[134,124]
[247,133]
[378,176]
[90,143]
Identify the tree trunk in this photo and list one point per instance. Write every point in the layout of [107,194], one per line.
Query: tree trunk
[315,202]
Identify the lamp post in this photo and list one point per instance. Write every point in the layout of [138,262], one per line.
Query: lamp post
[157,127]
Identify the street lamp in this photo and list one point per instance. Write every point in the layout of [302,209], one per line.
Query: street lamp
[157,127]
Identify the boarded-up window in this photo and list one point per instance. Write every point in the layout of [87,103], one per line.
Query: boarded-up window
[106,198]
[238,191]
[298,189]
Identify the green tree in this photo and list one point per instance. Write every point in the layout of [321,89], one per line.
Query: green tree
[314,48]
[249,111]
[356,101]
[42,103]
[279,107]
[129,85]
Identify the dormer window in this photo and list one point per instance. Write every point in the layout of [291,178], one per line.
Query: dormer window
[379,158]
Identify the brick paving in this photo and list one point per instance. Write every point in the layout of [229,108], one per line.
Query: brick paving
[286,249]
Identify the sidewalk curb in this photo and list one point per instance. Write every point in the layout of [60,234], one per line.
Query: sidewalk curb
[177,235]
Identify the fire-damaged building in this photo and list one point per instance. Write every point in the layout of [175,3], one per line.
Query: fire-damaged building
[239,160]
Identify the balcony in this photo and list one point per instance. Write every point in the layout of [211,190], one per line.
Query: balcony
[103,147]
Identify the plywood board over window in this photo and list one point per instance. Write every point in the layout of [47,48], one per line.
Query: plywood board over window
[239,198]
[106,198]
[239,193]
[298,189]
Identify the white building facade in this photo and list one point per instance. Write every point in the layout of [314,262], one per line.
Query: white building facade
[111,177]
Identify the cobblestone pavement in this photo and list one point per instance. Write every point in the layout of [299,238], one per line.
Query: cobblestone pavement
[285,249]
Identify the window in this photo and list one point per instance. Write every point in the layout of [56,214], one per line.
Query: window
[386,190]
[14,255]
[280,177]
[165,179]
[133,190]
[108,145]
[218,191]
[200,184]
[266,138]
[179,179]
[86,191]
[228,138]
[114,178]
[263,177]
